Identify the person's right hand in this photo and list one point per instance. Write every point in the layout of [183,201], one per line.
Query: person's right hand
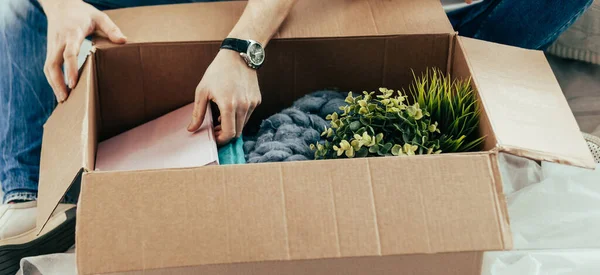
[69,22]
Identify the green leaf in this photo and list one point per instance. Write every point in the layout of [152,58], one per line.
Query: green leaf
[360,131]
[406,137]
[350,152]
[387,147]
[373,149]
[363,152]
[371,130]
[355,125]
[473,144]
[398,128]
[364,121]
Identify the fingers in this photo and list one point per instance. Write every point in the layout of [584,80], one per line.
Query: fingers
[228,122]
[200,105]
[63,47]
[108,27]
[468,1]
[53,71]
[234,114]
[240,119]
[253,105]
[73,44]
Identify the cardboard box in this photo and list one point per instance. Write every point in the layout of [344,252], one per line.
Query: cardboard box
[413,215]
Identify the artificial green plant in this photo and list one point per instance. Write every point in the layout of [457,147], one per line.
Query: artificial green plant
[442,116]
[453,104]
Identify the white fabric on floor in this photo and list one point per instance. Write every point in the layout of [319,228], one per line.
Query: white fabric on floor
[53,264]
[555,206]
[546,262]
[555,220]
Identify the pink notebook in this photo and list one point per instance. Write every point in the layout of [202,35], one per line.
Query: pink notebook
[160,144]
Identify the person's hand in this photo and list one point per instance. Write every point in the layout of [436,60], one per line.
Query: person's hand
[69,22]
[468,1]
[233,86]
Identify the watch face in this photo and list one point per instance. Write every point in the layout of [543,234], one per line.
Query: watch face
[256,53]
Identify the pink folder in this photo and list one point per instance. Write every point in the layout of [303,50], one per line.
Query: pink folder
[160,144]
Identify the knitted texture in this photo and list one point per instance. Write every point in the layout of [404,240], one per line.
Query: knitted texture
[286,136]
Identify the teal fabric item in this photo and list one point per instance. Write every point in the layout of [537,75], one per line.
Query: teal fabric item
[232,152]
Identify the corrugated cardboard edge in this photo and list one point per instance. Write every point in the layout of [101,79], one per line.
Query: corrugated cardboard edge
[580,157]
[545,156]
[66,148]
[455,263]
[485,125]
[503,217]
[451,48]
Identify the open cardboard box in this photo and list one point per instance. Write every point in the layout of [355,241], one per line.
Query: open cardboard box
[412,215]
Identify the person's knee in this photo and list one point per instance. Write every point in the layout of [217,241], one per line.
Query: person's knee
[22,27]
[13,11]
[7,11]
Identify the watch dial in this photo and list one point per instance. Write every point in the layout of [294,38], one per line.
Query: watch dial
[256,53]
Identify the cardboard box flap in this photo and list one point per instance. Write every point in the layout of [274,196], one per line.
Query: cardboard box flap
[290,211]
[457,263]
[309,18]
[525,105]
[68,144]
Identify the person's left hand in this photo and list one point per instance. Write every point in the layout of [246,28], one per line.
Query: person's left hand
[233,86]
[468,1]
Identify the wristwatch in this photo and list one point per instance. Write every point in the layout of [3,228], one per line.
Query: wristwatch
[251,51]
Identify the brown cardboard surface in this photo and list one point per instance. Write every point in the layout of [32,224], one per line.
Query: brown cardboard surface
[501,202]
[139,83]
[68,144]
[288,211]
[461,263]
[524,104]
[331,18]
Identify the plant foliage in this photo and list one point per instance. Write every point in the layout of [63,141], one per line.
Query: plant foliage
[443,117]
[453,104]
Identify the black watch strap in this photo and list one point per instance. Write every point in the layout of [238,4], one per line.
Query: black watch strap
[234,44]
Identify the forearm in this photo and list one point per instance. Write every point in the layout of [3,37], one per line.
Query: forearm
[47,3]
[261,19]
[53,5]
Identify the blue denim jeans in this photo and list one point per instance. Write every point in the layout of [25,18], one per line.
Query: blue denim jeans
[533,24]
[26,99]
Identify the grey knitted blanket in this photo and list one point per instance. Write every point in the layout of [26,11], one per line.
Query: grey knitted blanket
[286,136]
